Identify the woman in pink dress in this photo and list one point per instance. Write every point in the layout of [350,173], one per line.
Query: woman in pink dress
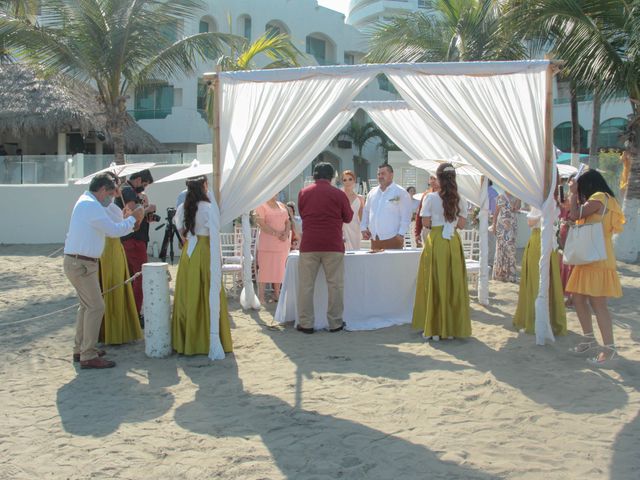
[273,245]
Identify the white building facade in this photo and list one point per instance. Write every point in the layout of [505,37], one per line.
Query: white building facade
[174,112]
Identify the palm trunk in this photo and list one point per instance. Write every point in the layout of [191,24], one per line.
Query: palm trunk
[627,244]
[594,158]
[575,124]
[116,124]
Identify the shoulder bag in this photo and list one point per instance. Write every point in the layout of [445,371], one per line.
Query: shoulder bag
[585,243]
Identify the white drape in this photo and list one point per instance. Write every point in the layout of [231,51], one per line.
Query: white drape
[273,123]
[496,123]
[269,132]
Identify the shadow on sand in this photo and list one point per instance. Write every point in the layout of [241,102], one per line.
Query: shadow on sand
[304,443]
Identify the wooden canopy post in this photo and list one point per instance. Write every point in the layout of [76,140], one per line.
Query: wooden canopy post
[548,131]
[216,151]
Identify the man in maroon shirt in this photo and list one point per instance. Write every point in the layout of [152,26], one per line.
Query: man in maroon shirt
[323,209]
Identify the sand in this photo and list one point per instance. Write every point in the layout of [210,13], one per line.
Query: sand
[351,405]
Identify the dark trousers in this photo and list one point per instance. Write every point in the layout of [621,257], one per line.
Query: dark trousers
[136,251]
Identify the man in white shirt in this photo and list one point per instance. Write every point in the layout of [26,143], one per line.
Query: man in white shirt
[83,247]
[387,212]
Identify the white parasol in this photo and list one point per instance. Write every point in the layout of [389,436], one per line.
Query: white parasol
[196,169]
[118,170]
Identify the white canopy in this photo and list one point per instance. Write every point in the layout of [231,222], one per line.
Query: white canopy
[272,123]
[122,170]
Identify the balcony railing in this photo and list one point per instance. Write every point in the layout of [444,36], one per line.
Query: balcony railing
[59,169]
[150,114]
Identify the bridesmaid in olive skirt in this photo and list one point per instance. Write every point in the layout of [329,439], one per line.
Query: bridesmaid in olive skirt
[441,307]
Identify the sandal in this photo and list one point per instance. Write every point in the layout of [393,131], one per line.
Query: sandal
[606,357]
[584,347]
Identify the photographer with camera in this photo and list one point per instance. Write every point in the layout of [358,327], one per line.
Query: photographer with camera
[135,244]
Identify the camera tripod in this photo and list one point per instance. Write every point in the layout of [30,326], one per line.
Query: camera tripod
[170,231]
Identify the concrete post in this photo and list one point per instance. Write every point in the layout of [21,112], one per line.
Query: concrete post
[62,144]
[157,316]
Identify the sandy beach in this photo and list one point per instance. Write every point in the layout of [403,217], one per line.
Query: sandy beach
[353,405]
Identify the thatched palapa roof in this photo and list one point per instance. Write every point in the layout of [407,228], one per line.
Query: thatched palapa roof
[31,105]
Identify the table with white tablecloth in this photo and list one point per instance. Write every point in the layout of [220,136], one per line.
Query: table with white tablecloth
[379,290]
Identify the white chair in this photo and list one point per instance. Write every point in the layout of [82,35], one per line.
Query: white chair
[231,262]
[471,248]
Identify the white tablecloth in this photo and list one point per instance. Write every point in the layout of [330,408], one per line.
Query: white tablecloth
[379,290]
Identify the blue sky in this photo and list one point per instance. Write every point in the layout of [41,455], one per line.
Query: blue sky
[338,5]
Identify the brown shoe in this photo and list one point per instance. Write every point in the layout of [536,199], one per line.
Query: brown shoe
[97,363]
[76,356]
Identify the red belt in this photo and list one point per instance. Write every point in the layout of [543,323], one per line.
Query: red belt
[81,257]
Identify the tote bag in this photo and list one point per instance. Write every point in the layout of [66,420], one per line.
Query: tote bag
[585,243]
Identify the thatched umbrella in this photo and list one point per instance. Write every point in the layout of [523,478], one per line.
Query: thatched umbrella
[33,105]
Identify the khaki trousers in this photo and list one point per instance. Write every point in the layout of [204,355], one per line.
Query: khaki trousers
[308,265]
[393,243]
[83,275]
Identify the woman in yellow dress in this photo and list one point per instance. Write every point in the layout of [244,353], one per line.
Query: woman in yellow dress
[441,306]
[190,319]
[121,322]
[592,284]
[524,319]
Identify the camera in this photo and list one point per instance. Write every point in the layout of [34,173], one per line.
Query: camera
[153,217]
[171,212]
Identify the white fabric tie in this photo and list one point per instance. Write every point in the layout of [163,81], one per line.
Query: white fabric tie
[192,242]
[448,229]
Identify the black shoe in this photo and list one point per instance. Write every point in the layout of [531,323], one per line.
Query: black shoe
[338,329]
[142,321]
[304,330]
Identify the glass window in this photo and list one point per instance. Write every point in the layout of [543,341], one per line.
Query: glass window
[610,131]
[422,4]
[562,137]
[204,26]
[317,47]
[153,101]
[247,28]
[272,30]
[349,59]
[201,101]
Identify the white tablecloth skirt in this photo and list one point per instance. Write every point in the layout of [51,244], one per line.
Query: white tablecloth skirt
[379,290]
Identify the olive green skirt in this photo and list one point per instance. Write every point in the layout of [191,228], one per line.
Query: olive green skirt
[525,316]
[441,306]
[121,323]
[191,312]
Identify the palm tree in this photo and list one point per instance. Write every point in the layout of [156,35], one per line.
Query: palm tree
[242,55]
[114,45]
[447,31]
[360,135]
[600,41]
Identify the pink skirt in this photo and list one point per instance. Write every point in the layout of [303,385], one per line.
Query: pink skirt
[271,265]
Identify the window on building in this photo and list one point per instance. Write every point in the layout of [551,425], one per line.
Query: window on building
[422,4]
[385,84]
[610,131]
[349,59]
[247,28]
[153,101]
[562,137]
[318,48]
[272,30]
[204,27]
[201,100]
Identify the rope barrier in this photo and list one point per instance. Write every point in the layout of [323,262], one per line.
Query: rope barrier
[17,322]
[55,252]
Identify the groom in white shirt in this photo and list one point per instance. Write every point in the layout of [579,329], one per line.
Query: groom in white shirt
[387,212]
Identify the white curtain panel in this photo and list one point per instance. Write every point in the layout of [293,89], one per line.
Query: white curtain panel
[496,122]
[270,131]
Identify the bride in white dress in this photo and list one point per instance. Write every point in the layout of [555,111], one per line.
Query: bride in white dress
[351,231]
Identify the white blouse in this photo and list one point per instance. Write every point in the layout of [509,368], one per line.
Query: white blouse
[202,218]
[432,207]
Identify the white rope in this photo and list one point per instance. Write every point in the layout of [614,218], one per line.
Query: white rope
[129,280]
[54,253]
